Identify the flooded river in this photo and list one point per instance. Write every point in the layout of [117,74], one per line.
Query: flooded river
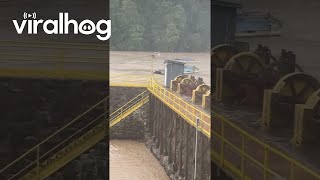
[131,160]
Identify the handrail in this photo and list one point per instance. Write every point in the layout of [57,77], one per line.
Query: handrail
[170,99]
[37,147]
[127,85]
[62,49]
[267,149]
[124,112]
[55,147]
[74,120]
[176,103]
[129,104]
[54,60]
[155,83]
[74,134]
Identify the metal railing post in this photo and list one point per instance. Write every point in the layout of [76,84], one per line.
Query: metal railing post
[196,149]
[38,162]
[193,115]
[222,144]
[106,115]
[265,164]
[242,158]
[291,171]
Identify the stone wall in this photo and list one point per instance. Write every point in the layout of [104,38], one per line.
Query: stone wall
[173,140]
[168,136]
[133,126]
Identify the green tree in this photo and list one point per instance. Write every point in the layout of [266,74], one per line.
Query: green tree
[160,25]
[128,33]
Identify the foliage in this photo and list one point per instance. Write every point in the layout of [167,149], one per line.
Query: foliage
[160,25]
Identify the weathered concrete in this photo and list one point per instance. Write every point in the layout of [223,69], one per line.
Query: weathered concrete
[169,137]
[133,126]
[172,141]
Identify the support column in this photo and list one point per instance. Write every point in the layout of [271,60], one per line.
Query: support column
[175,142]
[187,148]
[176,138]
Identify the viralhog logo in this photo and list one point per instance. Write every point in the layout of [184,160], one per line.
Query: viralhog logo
[102,28]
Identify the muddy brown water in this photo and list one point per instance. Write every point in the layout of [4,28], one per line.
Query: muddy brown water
[135,67]
[132,160]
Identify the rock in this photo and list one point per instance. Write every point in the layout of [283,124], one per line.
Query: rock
[172,176]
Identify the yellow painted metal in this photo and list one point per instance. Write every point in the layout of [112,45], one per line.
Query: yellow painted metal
[53,74]
[68,153]
[128,108]
[128,85]
[54,60]
[206,103]
[301,116]
[221,54]
[290,85]
[181,85]
[245,62]
[199,92]
[187,111]
[239,171]
[174,83]
[46,164]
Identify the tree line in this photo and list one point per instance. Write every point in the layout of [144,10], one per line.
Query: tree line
[160,25]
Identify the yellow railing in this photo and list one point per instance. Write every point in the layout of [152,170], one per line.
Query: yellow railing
[45,149]
[54,60]
[128,108]
[124,84]
[190,113]
[48,147]
[247,157]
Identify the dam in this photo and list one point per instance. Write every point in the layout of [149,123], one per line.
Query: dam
[165,122]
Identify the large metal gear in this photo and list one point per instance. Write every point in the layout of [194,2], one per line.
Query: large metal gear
[174,83]
[220,55]
[186,86]
[245,62]
[279,103]
[242,81]
[199,92]
[297,87]
[306,120]
[270,97]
